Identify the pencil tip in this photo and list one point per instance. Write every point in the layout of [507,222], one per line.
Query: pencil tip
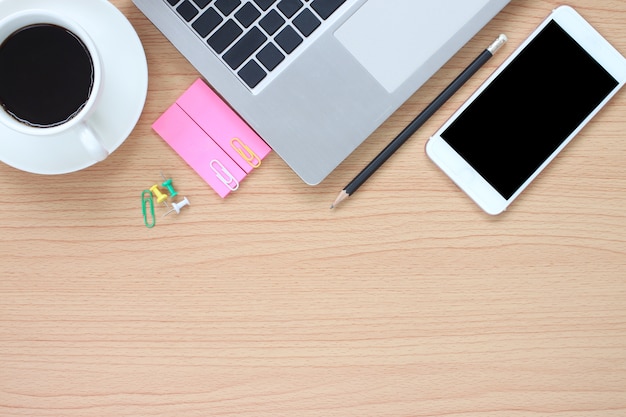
[342,196]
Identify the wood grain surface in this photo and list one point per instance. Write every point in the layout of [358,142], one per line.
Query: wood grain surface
[406,301]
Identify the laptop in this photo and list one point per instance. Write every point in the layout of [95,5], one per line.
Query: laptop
[314,78]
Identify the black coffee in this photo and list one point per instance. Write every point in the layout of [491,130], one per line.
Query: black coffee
[46,75]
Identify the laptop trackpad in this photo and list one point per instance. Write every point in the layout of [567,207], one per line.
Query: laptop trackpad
[393,42]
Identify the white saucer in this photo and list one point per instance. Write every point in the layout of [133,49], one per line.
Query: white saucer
[123,94]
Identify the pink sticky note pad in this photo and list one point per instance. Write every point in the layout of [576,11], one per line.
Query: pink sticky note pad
[223,125]
[200,152]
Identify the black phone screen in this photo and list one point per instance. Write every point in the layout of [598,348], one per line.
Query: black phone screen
[529,109]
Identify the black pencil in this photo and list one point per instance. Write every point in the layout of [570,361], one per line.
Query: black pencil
[408,131]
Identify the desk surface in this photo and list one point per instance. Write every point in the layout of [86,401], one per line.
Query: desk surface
[405,301]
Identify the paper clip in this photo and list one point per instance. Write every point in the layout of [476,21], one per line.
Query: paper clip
[246,153]
[146,201]
[231,182]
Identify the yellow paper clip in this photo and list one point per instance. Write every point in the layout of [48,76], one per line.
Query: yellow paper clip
[147,202]
[246,153]
[229,182]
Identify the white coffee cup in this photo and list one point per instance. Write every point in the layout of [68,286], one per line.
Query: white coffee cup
[78,124]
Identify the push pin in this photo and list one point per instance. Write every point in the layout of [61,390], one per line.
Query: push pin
[161,198]
[168,184]
[177,206]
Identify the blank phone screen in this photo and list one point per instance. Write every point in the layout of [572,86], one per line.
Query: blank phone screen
[529,109]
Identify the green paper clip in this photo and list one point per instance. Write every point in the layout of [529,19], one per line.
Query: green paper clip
[146,200]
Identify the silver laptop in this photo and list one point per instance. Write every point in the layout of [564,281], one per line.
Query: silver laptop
[314,78]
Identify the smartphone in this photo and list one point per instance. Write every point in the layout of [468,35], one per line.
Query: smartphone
[527,111]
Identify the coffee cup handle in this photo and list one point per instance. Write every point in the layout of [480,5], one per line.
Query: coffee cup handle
[92,143]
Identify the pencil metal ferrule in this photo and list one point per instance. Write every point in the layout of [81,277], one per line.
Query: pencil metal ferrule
[497,44]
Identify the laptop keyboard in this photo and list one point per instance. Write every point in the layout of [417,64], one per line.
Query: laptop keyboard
[253,37]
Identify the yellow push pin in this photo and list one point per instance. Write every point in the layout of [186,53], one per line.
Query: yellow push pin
[160,197]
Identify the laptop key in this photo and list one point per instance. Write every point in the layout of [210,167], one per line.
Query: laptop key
[244,47]
[252,74]
[270,56]
[187,10]
[325,8]
[247,15]
[224,36]
[288,39]
[306,22]
[207,22]
[272,22]
[227,6]
[173,2]
[289,7]
[202,3]
[265,4]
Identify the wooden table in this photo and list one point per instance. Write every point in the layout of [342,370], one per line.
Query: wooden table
[404,301]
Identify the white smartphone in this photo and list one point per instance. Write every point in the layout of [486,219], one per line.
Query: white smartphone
[528,110]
